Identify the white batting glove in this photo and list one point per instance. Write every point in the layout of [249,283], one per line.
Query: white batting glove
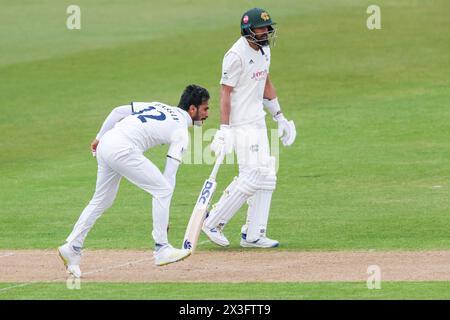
[223,140]
[286,129]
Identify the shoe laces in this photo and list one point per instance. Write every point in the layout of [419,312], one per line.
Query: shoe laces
[219,229]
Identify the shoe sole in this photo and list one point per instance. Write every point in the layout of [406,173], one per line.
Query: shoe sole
[247,245]
[169,262]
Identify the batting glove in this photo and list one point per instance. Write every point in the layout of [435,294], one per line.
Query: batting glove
[286,129]
[223,140]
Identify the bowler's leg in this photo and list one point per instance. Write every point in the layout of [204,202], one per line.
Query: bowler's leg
[139,170]
[105,192]
[142,172]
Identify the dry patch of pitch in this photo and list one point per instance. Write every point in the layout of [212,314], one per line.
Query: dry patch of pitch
[229,266]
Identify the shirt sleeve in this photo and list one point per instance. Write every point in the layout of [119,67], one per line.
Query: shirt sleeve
[180,140]
[115,116]
[170,171]
[231,69]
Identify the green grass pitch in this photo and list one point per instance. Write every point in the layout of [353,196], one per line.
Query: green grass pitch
[248,291]
[369,170]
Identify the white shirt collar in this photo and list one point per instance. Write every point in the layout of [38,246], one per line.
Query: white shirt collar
[186,116]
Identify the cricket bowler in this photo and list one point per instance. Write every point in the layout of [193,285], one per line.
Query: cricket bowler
[125,135]
[245,89]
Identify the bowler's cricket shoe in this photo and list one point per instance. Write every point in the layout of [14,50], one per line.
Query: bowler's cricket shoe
[167,254]
[71,259]
[261,242]
[216,235]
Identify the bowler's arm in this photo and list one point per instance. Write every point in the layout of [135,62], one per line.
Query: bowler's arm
[115,116]
[170,171]
[175,155]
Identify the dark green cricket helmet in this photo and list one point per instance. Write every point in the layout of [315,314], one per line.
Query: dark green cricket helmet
[257,18]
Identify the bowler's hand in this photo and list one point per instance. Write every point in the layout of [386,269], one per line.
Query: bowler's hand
[94,145]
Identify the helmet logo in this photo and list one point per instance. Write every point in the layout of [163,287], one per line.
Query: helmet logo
[265,16]
[245,19]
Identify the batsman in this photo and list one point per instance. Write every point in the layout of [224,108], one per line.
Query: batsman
[245,90]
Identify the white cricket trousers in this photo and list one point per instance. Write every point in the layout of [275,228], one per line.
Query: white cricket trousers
[117,157]
[255,183]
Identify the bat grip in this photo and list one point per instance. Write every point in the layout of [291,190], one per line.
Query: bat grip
[219,161]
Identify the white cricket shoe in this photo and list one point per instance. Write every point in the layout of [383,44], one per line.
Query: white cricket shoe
[261,242]
[168,254]
[71,259]
[216,235]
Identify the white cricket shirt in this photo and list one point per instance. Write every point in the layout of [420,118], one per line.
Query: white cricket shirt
[246,70]
[155,123]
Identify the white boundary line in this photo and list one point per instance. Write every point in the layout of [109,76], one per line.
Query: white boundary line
[6,255]
[84,273]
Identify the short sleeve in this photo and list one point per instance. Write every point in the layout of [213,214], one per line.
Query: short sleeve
[231,69]
[179,144]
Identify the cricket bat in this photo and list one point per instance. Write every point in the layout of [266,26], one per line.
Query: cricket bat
[198,214]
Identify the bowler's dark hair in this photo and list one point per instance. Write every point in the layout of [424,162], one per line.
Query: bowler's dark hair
[193,95]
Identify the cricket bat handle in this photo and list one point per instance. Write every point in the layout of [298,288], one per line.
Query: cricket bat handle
[219,161]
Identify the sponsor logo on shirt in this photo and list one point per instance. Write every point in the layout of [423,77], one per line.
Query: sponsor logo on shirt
[259,75]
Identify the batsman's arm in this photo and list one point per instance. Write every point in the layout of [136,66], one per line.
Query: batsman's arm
[286,129]
[270,98]
[225,104]
[223,139]
[269,89]
[232,67]
[231,71]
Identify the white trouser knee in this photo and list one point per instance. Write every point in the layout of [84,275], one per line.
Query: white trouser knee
[233,198]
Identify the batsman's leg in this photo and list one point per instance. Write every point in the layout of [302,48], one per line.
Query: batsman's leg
[232,199]
[254,232]
[240,189]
